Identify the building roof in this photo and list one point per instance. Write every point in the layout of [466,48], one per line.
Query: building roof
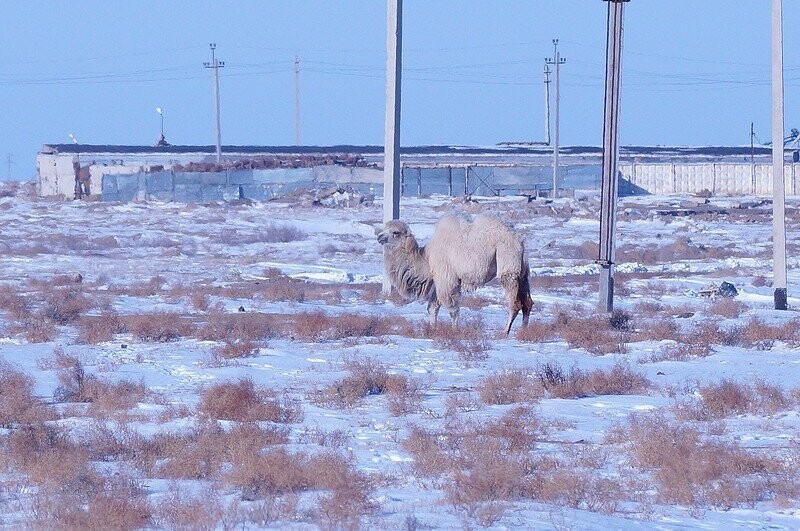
[512,149]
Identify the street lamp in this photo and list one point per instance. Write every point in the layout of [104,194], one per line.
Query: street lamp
[161,141]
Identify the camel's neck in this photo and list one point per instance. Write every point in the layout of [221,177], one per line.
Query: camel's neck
[409,272]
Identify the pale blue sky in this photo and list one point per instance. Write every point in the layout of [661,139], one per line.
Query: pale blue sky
[695,72]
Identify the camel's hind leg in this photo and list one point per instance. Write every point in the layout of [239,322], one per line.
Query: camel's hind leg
[511,285]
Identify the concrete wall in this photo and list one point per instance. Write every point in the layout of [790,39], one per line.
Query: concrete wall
[719,179]
[56,175]
[129,183]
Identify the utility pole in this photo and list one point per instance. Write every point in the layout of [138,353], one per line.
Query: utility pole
[296,101]
[10,162]
[216,64]
[778,182]
[608,199]
[556,61]
[547,103]
[391,144]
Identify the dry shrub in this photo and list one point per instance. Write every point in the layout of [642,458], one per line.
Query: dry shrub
[660,329]
[588,250]
[727,307]
[45,456]
[729,398]
[180,509]
[754,334]
[283,288]
[457,403]
[454,448]
[278,472]
[239,327]
[269,233]
[101,328]
[485,462]
[759,281]
[467,338]
[235,349]
[65,305]
[18,404]
[510,386]
[680,249]
[17,306]
[104,396]
[366,377]
[760,335]
[537,332]
[317,326]
[59,360]
[146,289]
[158,326]
[336,439]
[403,394]
[575,383]
[35,328]
[200,300]
[201,451]
[596,334]
[679,352]
[102,502]
[690,470]
[243,401]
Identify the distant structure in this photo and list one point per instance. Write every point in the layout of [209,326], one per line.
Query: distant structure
[191,173]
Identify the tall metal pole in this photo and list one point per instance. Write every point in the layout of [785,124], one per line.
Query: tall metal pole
[216,64]
[391,146]
[778,182]
[547,103]
[557,61]
[296,100]
[608,205]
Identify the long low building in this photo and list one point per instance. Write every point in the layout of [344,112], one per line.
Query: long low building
[190,173]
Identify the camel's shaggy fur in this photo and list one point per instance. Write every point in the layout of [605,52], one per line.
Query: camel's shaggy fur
[462,255]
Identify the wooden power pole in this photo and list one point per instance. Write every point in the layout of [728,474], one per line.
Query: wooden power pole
[296,101]
[547,103]
[216,64]
[778,182]
[608,205]
[556,61]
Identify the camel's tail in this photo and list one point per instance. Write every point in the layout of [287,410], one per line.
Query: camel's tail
[524,294]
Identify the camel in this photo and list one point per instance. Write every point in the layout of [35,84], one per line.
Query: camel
[462,255]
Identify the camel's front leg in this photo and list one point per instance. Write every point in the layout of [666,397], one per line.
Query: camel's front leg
[454,314]
[433,310]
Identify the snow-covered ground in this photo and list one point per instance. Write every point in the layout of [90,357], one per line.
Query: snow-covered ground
[145,258]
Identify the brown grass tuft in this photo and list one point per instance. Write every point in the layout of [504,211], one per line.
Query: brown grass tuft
[158,326]
[18,404]
[243,401]
[510,386]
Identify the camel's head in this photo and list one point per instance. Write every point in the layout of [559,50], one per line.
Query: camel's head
[393,233]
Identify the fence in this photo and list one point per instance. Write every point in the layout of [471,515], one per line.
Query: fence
[454,180]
